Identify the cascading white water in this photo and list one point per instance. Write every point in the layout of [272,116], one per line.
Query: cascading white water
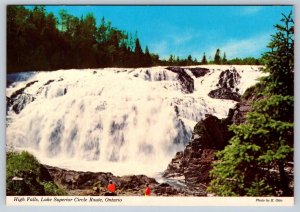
[124,121]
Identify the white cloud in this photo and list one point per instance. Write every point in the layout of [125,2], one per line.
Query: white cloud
[175,43]
[251,10]
[160,48]
[182,39]
[243,48]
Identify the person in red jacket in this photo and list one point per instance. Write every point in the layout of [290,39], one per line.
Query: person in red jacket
[111,189]
[147,190]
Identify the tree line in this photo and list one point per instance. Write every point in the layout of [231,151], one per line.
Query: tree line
[38,40]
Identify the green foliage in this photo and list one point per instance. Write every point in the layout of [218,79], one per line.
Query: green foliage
[51,189]
[258,188]
[26,167]
[253,163]
[20,163]
[245,61]
[176,61]
[280,60]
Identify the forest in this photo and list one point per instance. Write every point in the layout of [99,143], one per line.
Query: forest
[38,40]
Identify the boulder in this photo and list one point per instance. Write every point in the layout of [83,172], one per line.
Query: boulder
[199,72]
[227,86]
[186,81]
[224,93]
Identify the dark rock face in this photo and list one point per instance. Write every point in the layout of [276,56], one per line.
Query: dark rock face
[194,163]
[78,180]
[224,93]
[186,81]
[228,80]
[165,189]
[49,82]
[95,183]
[18,100]
[199,72]
[238,113]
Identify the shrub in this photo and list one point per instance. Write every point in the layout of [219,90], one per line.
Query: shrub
[51,189]
[27,168]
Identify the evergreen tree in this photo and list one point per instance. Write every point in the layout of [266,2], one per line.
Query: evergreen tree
[177,60]
[189,60]
[217,57]
[204,60]
[224,59]
[254,162]
[138,49]
[195,61]
[138,54]
[171,59]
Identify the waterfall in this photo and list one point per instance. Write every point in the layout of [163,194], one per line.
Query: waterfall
[124,121]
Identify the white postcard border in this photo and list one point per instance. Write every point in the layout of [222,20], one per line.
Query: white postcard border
[146,201]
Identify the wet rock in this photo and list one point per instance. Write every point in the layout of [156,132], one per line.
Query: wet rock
[224,93]
[238,113]
[95,183]
[19,99]
[49,82]
[227,86]
[18,104]
[165,189]
[199,72]
[187,82]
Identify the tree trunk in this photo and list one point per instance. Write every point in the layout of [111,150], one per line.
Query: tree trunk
[284,181]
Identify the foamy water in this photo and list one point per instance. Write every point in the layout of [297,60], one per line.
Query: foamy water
[124,121]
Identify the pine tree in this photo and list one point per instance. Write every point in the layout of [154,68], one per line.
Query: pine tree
[254,162]
[171,59]
[138,49]
[147,56]
[204,60]
[189,60]
[138,54]
[224,59]
[217,57]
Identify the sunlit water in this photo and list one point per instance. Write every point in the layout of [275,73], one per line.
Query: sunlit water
[124,121]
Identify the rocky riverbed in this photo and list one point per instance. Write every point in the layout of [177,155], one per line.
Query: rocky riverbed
[80,183]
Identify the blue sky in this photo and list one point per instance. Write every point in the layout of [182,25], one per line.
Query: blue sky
[240,31]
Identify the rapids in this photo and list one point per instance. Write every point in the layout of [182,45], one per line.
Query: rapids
[119,120]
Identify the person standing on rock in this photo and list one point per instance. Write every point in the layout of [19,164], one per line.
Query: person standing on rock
[147,190]
[111,189]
